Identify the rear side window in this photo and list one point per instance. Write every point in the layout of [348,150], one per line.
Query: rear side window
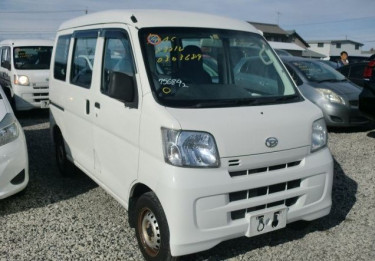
[83,60]
[61,57]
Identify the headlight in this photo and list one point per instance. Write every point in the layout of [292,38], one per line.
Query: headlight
[331,96]
[21,80]
[319,135]
[190,148]
[8,129]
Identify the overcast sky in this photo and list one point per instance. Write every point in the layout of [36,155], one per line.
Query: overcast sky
[313,19]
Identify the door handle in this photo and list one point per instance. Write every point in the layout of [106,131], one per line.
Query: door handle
[87,107]
[97,105]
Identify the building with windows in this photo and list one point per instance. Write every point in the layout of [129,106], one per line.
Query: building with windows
[272,32]
[289,41]
[333,48]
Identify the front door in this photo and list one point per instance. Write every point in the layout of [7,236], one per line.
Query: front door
[116,127]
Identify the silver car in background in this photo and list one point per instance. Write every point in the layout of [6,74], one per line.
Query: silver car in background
[330,90]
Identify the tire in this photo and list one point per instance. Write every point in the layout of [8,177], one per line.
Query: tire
[152,229]
[66,168]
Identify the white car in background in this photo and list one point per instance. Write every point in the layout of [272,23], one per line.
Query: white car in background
[14,163]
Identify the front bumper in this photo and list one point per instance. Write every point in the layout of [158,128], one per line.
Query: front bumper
[14,170]
[31,97]
[203,206]
[337,115]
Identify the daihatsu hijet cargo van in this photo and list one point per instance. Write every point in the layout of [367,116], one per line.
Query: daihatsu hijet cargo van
[14,163]
[148,104]
[24,72]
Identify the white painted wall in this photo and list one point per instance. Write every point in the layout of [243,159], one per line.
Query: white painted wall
[348,47]
[325,50]
[330,49]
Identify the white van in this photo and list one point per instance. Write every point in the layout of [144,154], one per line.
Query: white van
[14,163]
[24,72]
[149,105]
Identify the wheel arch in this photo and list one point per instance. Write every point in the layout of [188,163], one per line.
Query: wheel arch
[55,132]
[136,191]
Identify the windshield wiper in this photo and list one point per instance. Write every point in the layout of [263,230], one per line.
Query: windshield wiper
[288,98]
[245,102]
[224,103]
[330,80]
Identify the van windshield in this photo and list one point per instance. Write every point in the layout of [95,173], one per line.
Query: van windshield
[32,57]
[195,67]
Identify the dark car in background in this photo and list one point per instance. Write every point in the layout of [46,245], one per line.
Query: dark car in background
[327,88]
[354,72]
[363,74]
[367,96]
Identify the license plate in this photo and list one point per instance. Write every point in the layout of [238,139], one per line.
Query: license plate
[44,104]
[264,222]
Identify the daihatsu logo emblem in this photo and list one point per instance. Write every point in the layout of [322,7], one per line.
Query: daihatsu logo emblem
[271,142]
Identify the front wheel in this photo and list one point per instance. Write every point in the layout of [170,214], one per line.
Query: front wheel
[65,167]
[152,229]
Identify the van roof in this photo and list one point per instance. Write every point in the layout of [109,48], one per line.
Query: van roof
[158,18]
[27,42]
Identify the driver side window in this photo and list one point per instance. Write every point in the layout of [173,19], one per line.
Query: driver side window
[117,57]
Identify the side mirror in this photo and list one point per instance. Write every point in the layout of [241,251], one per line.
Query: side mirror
[122,87]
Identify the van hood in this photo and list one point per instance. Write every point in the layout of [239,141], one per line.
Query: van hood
[37,78]
[242,131]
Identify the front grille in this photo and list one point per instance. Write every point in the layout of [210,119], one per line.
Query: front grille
[261,170]
[262,191]
[234,162]
[238,214]
[40,97]
[40,94]
[40,88]
[257,192]
[39,100]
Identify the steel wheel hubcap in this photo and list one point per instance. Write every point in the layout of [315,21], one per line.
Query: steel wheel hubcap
[149,231]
